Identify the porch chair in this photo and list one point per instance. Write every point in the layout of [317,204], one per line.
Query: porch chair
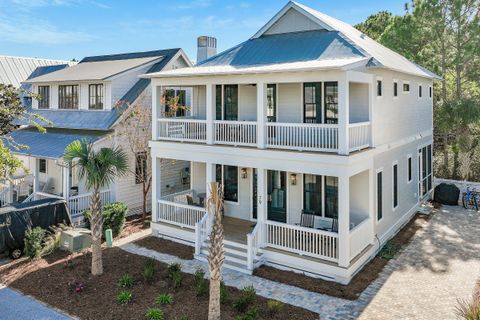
[307,219]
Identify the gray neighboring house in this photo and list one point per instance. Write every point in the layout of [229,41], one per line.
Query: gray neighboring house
[85,100]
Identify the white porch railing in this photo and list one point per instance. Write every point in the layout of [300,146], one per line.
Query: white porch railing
[201,233]
[78,204]
[181,129]
[174,209]
[253,244]
[359,135]
[360,237]
[4,196]
[302,136]
[304,241]
[236,132]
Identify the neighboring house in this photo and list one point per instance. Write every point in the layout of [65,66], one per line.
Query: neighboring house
[87,101]
[321,137]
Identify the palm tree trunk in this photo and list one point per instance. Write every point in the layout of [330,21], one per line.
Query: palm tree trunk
[96,226]
[216,253]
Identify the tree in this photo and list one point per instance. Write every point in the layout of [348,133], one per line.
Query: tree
[376,24]
[98,169]
[216,253]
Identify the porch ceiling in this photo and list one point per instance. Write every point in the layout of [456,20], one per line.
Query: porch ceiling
[50,144]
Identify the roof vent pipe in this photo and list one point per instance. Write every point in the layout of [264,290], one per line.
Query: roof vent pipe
[206,47]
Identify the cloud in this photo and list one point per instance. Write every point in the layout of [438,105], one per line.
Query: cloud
[23,5]
[193,4]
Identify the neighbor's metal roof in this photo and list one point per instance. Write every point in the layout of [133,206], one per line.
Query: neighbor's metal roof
[15,70]
[51,144]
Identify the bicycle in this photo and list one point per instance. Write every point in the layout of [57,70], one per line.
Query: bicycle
[471,197]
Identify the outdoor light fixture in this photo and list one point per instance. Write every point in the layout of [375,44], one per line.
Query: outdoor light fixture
[244,173]
[293,179]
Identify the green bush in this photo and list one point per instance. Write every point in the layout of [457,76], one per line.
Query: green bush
[248,296]
[224,295]
[250,293]
[274,307]
[164,298]
[33,242]
[389,250]
[175,275]
[125,281]
[149,270]
[252,314]
[124,297]
[154,314]
[200,284]
[113,217]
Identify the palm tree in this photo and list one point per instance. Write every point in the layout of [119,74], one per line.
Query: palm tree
[216,253]
[98,169]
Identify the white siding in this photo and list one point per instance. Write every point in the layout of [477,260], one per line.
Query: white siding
[289,103]
[247,103]
[358,100]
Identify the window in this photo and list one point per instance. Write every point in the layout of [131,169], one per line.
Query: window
[420,91]
[379,88]
[68,97]
[379,195]
[181,102]
[42,165]
[226,102]
[406,87]
[331,102]
[312,106]
[141,167]
[218,101]
[395,186]
[318,200]
[395,89]
[430,91]
[409,164]
[271,102]
[95,97]
[228,177]
[425,169]
[44,97]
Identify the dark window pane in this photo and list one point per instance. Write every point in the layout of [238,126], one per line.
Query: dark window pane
[410,169]
[331,102]
[95,96]
[311,103]
[218,102]
[230,180]
[231,102]
[406,87]
[419,91]
[331,197]
[379,87]
[395,89]
[379,195]
[395,186]
[44,97]
[42,165]
[68,97]
[312,196]
[272,103]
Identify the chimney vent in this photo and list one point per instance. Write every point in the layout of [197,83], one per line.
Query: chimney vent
[206,47]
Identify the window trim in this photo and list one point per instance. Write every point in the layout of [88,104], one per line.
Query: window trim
[47,96]
[403,87]
[394,207]
[409,168]
[379,170]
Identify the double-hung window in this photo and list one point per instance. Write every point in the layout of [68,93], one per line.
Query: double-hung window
[226,102]
[44,97]
[68,96]
[320,195]
[42,165]
[95,97]
[228,177]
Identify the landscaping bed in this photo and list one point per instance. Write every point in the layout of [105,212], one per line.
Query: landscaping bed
[362,280]
[166,246]
[134,224]
[55,280]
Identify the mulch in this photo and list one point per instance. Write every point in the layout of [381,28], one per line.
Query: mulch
[359,283]
[166,246]
[51,280]
[133,224]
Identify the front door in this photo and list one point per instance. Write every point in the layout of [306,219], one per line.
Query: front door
[277,196]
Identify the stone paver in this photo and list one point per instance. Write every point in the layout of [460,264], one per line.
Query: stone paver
[15,306]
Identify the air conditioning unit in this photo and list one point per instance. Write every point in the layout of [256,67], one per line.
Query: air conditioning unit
[75,240]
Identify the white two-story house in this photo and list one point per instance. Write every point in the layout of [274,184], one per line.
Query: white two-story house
[87,100]
[320,136]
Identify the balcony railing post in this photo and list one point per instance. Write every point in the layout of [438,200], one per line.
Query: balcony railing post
[261,114]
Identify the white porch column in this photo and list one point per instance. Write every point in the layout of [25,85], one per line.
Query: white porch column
[371,103]
[343,116]
[262,204]
[156,186]
[261,113]
[344,221]
[155,111]
[66,182]
[34,169]
[210,109]
[210,177]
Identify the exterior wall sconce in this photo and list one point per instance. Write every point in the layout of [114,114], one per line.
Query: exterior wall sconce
[243,173]
[293,179]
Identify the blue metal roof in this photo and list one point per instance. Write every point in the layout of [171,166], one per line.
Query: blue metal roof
[287,47]
[40,71]
[131,55]
[50,144]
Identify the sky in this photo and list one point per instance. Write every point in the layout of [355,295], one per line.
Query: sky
[68,29]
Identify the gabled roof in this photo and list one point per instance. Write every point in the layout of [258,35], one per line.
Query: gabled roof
[15,70]
[326,43]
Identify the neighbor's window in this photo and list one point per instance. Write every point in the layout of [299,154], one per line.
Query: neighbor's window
[395,186]
[430,91]
[44,97]
[228,177]
[420,91]
[95,96]
[395,89]
[141,164]
[406,87]
[379,195]
[379,88]
[42,165]
[68,97]
[409,163]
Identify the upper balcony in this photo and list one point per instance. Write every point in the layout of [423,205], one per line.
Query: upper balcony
[331,116]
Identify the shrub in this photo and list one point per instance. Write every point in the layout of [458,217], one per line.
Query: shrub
[249,295]
[149,270]
[125,281]
[200,284]
[224,295]
[124,297]
[154,314]
[274,307]
[174,267]
[175,275]
[33,242]
[250,315]
[389,250]
[164,298]
[113,217]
